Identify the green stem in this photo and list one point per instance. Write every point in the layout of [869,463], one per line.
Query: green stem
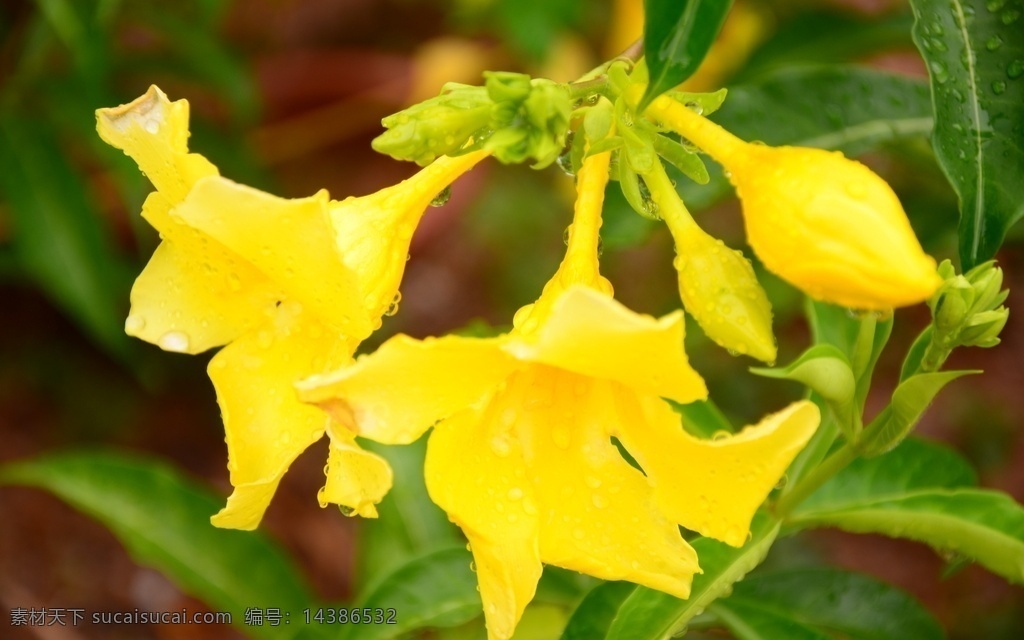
[817,477]
[586,88]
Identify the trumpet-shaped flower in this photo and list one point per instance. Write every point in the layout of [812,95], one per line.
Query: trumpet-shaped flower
[290,286]
[521,456]
[827,224]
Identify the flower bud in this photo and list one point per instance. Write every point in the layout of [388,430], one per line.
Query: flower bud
[826,224]
[719,289]
[717,284]
[439,126]
[983,329]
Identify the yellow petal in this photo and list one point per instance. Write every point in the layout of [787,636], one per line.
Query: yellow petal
[356,478]
[153,131]
[194,294]
[394,395]
[290,241]
[373,232]
[590,333]
[598,514]
[474,471]
[715,486]
[267,426]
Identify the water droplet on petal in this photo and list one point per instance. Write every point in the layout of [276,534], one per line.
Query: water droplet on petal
[393,306]
[175,341]
[442,197]
[515,493]
[134,325]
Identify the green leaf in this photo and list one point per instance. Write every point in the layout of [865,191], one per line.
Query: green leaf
[820,37]
[163,519]
[437,589]
[409,525]
[922,491]
[846,108]
[823,368]
[909,401]
[823,603]
[677,36]
[975,56]
[595,613]
[58,236]
[703,418]
[652,615]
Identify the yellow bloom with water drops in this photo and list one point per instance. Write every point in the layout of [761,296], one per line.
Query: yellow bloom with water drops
[521,456]
[290,286]
[825,223]
[717,284]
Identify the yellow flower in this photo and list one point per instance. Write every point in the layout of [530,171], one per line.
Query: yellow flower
[521,456]
[290,286]
[826,224]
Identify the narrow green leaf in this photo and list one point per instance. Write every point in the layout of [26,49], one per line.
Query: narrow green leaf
[437,589]
[591,619]
[850,109]
[677,36]
[908,404]
[975,56]
[823,603]
[921,491]
[58,236]
[652,615]
[409,524]
[163,519]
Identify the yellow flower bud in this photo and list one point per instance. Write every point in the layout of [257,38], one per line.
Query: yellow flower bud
[717,284]
[826,224]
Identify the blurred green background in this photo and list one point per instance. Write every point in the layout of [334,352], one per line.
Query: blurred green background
[286,96]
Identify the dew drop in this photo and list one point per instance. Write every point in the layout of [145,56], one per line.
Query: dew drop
[515,493]
[1015,69]
[134,325]
[500,446]
[442,197]
[599,501]
[993,43]
[176,341]
[566,235]
[695,107]
[1009,16]
[264,339]
[995,5]
[152,126]
[998,87]
[592,481]
[321,497]
[393,306]
[578,533]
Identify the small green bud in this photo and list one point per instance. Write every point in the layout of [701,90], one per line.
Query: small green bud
[505,86]
[983,329]
[953,304]
[966,309]
[987,280]
[439,126]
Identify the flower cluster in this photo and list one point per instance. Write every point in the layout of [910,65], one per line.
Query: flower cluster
[554,443]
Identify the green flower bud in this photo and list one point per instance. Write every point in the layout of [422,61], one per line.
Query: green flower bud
[952,304]
[966,309]
[439,126]
[983,329]
[987,281]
